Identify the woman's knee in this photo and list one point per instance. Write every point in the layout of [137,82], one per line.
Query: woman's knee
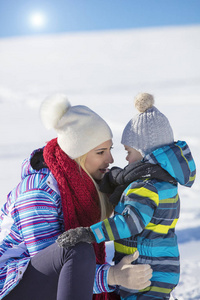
[85,253]
[80,252]
[80,259]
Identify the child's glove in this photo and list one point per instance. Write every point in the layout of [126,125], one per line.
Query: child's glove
[134,277]
[73,236]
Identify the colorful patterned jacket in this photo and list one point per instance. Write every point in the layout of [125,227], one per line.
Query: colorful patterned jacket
[30,221]
[145,219]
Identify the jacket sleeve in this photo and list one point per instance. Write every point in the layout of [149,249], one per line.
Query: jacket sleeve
[138,205]
[100,280]
[36,215]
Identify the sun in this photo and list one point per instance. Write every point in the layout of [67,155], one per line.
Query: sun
[38,20]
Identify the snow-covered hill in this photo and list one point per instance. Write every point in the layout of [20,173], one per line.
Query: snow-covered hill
[105,70]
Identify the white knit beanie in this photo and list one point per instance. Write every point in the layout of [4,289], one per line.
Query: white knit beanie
[79,129]
[148,130]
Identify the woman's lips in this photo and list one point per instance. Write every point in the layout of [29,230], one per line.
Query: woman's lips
[103,171]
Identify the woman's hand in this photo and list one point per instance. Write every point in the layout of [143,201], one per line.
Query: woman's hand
[135,277]
[73,236]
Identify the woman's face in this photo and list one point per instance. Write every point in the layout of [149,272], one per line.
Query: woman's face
[98,160]
[132,154]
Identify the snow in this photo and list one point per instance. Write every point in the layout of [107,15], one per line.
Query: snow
[105,70]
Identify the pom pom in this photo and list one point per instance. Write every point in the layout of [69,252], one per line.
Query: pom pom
[52,110]
[143,102]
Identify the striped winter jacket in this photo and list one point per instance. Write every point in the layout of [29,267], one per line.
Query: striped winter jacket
[30,221]
[145,219]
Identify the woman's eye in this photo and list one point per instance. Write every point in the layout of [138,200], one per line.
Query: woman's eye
[100,153]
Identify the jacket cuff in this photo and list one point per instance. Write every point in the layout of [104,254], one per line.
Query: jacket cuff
[101,280]
[98,232]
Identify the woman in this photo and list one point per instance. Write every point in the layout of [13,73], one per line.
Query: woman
[58,191]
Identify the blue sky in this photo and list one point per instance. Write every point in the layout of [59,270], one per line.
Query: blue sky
[85,15]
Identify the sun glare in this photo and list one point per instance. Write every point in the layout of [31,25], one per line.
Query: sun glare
[37,20]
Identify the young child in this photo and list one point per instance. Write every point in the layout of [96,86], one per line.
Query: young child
[148,210]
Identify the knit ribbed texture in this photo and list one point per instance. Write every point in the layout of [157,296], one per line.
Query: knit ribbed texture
[148,130]
[79,129]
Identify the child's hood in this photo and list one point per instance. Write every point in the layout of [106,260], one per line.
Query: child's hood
[177,160]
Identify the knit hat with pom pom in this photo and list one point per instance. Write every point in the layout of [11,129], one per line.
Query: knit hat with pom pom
[148,130]
[79,129]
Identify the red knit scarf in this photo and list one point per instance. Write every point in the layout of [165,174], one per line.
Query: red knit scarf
[80,201]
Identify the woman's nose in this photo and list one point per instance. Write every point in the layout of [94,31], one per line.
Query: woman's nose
[110,159]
